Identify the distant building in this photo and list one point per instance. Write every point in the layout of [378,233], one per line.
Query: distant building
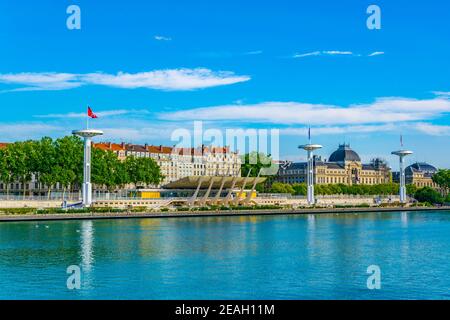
[420,174]
[344,166]
[177,163]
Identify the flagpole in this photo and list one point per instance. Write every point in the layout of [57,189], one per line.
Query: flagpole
[309,134]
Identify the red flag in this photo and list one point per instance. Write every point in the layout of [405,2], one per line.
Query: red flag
[91,114]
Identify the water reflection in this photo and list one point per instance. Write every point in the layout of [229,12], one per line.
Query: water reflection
[404,219]
[86,245]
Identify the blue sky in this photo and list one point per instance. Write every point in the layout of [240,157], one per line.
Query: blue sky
[150,67]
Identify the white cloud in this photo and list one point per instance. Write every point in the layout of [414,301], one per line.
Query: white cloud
[442,93]
[169,79]
[376,53]
[422,127]
[101,114]
[41,81]
[432,129]
[330,130]
[253,52]
[384,110]
[308,54]
[162,38]
[175,79]
[322,53]
[334,52]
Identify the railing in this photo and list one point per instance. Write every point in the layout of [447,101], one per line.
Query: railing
[57,196]
[274,195]
[52,197]
[355,196]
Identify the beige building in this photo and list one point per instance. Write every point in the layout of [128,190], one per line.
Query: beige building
[177,163]
[420,174]
[343,166]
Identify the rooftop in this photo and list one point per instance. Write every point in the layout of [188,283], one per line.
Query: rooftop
[343,154]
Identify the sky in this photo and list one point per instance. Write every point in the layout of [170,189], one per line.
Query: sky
[150,68]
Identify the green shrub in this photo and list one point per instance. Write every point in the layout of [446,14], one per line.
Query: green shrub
[18,211]
[139,209]
[427,194]
[447,199]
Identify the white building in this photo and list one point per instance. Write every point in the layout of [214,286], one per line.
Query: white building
[177,163]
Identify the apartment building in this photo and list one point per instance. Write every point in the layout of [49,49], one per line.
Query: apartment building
[177,163]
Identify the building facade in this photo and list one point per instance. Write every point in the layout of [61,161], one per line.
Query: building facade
[419,174]
[344,166]
[177,163]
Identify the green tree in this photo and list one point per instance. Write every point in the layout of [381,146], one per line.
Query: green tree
[20,164]
[442,179]
[46,157]
[254,162]
[143,171]
[6,175]
[447,199]
[278,187]
[427,194]
[69,159]
[108,171]
[300,189]
[411,189]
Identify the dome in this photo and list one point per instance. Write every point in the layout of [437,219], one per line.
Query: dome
[422,167]
[344,153]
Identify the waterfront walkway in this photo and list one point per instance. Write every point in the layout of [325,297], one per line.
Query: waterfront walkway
[183,214]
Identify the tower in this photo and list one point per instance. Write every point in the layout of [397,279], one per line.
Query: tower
[402,154]
[87,134]
[310,167]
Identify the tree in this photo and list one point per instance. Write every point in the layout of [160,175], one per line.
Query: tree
[6,175]
[411,189]
[427,194]
[69,157]
[108,170]
[278,187]
[300,189]
[20,162]
[442,179]
[143,171]
[47,174]
[447,199]
[254,162]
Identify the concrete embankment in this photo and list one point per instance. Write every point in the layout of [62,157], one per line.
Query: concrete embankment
[184,214]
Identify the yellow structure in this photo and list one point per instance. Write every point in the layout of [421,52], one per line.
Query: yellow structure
[145,194]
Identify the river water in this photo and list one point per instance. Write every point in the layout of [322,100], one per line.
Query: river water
[253,257]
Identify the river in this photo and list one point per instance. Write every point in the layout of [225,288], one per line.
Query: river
[322,256]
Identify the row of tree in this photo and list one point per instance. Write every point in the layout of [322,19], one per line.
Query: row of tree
[329,189]
[425,194]
[60,161]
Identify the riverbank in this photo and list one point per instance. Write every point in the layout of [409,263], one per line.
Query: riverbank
[175,214]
